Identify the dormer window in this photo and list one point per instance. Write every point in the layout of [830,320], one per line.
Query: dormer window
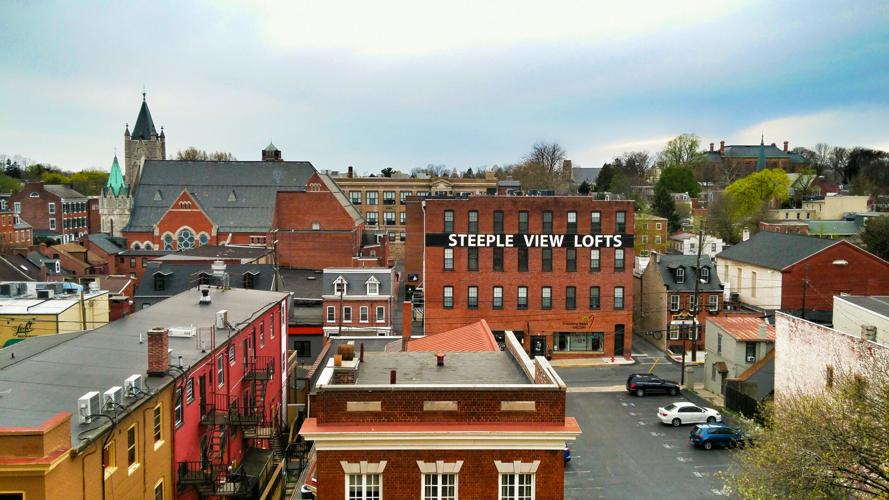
[340,285]
[249,281]
[159,281]
[373,286]
[680,275]
[705,274]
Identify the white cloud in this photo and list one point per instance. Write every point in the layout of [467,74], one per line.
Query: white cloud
[850,126]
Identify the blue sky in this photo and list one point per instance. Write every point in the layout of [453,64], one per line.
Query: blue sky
[404,83]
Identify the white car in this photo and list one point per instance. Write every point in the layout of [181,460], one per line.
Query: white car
[683,412]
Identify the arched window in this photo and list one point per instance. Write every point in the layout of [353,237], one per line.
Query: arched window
[168,241]
[204,239]
[148,246]
[185,239]
[137,246]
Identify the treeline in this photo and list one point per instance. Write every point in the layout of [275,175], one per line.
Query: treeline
[87,182]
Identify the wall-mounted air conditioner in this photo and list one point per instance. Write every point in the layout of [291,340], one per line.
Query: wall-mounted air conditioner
[88,404]
[133,385]
[113,398]
[751,359]
[45,294]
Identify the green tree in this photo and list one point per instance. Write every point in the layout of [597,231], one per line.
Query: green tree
[89,182]
[683,151]
[758,189]
[583,188]
[603,180]
[679,179]
[387,171]
[50,177]
[876,236]
[829,443]
[9,185]
[664,206]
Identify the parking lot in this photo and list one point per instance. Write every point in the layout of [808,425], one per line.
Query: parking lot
[624,451]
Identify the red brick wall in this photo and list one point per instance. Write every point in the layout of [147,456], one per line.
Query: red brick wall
[35,211]
[184,212]
[477,479]
[413,255]
[356,312]
[94,220]
[865,274]
[407,406]
[703,314]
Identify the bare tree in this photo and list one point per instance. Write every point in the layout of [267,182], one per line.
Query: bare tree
[822,158]
[194,154]
[839,160]
[549,156]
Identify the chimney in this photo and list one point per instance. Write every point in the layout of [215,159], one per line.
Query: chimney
[786,145]
[721,147]
[158,356]
[711,147]
[439,359]
[745,234]
[406,311]
[205,296]
[351,173]
[393,377]
[763,329]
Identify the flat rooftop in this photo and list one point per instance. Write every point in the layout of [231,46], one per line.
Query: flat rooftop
[459,368]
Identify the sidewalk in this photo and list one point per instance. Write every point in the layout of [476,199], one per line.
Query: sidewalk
[688,362]
[717,400]
[573,363]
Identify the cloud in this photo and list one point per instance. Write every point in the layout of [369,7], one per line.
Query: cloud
[850,126]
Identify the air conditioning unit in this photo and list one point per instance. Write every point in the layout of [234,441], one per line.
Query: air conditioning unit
[46,294]
[751,359]
[222,318]
[132,385]
[869,332]
[183,331]
[113,398]
[88,404]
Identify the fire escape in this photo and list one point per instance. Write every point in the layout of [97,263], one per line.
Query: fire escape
[221,416]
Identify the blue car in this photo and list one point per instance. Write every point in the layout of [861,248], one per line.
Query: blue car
[709,435]
[567,454]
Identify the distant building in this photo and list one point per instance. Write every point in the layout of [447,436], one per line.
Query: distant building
[162,281]
[747,158]
[115,203]
[358,301]
[14,231]
[31,309]
[54,208]
[651,234]
[687,244]
[734,344]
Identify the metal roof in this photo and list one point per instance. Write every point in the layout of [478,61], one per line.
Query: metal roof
[144,128]
[181,277]
[775,250]
[459,368]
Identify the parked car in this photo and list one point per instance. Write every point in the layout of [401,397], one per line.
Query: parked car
[641,384]
[683,412]
[567,453]
[724,435]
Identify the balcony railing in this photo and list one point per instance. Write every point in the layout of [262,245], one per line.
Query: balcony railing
[211,480]
[260,368]
[215,408]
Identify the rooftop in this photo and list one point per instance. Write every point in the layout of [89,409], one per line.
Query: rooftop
[63,191]
[743,328]
[459,368]
[878,304]
[667,264]
[775,250]
[476,337]
[227,251]
[181,277]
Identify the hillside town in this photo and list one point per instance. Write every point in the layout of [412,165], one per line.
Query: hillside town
[311,259]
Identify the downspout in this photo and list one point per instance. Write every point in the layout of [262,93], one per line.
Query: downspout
[83,473]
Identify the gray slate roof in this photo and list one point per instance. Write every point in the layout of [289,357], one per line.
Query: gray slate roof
[181,277]
[255,184]
[876,303]
[108,244]
[304,283]
[775,250]
[18,268]
[357,280]
[63,191]
[227,251]
[668,264]
[144,128]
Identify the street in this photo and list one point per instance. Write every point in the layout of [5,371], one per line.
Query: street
[624,451]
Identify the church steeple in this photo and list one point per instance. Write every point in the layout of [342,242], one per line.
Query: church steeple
[116,184]
[761,161]
[144,128]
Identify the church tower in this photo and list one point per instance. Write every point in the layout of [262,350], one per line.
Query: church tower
[115,203]
[143,144]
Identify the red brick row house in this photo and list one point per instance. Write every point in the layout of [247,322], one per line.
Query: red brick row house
[53,208]
[358,301]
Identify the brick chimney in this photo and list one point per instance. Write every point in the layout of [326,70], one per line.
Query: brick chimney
[158,347]
[351,172]
[722,147]
[786,145]
[406,311]
[711,147]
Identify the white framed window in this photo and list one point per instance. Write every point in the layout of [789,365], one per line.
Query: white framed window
[680,275]
[364,480]
[713,302]
[331,314]
[439,487]
[177,407]
[373,286]
[448,259]
[340,286]
[674,303]
[220,371]
[363,313]
[347,314]
[516,480]
[316,226]
[52,208]
[17,207]
[231,354]
[448,301]
[189,390]
[381,314]
[52,223]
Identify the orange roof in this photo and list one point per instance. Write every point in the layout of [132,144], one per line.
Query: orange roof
[311,426]
[475,337]
[744,328]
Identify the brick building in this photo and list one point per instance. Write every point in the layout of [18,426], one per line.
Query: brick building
[482,425]
[358,301]
[651,234]
[14,231]
[746,158]
[555,270]
[54,208]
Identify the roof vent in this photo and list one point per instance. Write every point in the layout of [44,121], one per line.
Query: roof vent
[88,405]
[869,332]
[439,356]
[45,294]
[218,268]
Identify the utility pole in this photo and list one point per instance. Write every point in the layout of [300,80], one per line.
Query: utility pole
[694,313]
[82,309]
[805,285]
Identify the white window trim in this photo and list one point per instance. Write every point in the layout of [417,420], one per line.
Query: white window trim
[439,468]
[713,305]
[364,469]
[331,318]
[515,468]
[377,313]
[345,308]
[376,283]
[341,281]
[364,311]
[52,208]
[677,300]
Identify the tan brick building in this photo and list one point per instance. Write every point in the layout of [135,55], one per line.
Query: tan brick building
[651,234]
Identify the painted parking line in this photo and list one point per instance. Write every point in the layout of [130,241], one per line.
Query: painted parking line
[698,474]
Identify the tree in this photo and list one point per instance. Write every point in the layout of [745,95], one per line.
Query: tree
[664,206]
[549,156]
[839,159]
[584,188]
[821,160]
[13,169]
[603,180]
[757,190]
[194,154]
[683,151]
[876,236]
[680,180]
[89,182]
[721,218]
[50,177]
[9,185]
[387,172]
[823,444]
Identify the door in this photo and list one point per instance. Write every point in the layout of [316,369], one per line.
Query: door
[202,394]
[538,345]
[618,340]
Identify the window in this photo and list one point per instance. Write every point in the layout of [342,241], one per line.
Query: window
[381,314]
[579,342]
[571,259]
[618,297]
[372,217]
[402,196]
[340,286]
[363,314]
[705,274]
[189,390]
[231,354]
[52,224]
[261,334]
[185,239]
[303,348]
[657,240]
[713,303]
[203,238]
[572,223]
[692,303]
[644,239]
[439,486]
[522,302]
[674,303]
[546,259]
[132,262]
[158,420]
[347,314]
[473,222]
[355,197]
[132,447]
[680,275]
[620,222]
[570,298]
[718,343]
[546,297]
[363,487]
[373,286]
[523,222]
[449,221]
[52,208]
[516,487]
[752,284]
[448,259]
[448,302]
[595,259]
[596,222]
[472,260]
[618,259]
[751,350]
[388,197]
[402,218]
[523,259]
[498,297]
[331,314]
[658,226]
[371,197]
[547,222]
[158,280]
[595,298]
[316,226]
[220,371]
[472,297]
[17,206]
[498,258]
[159,490]
[389,218]
[498,222]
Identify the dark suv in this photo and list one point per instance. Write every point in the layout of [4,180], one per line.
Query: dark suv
[641,384]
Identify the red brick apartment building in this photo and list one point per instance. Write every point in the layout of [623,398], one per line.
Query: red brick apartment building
[54,208]
[481,425]
[555,270]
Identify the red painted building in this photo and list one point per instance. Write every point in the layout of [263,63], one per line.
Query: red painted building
[481,425]
[54,208]
[555,270]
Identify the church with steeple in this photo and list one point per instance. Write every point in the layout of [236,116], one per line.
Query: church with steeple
[115,203]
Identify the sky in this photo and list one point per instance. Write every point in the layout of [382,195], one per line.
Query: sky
[467,84]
